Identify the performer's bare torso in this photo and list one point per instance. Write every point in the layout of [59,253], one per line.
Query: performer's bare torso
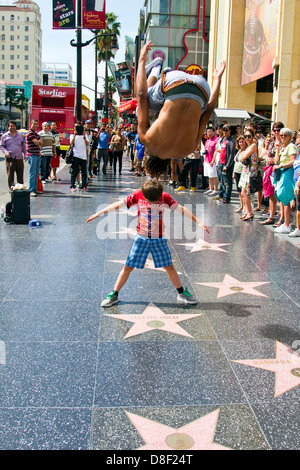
[175,133]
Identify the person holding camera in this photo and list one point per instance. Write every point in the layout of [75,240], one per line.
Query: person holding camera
[80,145]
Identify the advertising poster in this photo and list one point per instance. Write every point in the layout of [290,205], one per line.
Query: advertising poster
[93,14]
[64,13]
[123,80]
[261,25]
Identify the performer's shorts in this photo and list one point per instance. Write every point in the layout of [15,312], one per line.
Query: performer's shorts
[141,248]
[200,93]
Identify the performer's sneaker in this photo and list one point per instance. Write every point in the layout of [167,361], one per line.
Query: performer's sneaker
[155,63]
[181,188]
[186,298]
[110,300]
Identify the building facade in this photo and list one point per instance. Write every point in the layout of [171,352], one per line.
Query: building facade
[58,73]
[260,42]
[179,30]
[20,43]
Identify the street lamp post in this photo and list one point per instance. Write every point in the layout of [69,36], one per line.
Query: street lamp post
[96,83]
[79,45]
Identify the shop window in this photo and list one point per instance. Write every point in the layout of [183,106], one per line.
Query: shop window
[265,84]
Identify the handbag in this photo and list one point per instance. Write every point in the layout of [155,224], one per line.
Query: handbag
[69,155]
[54,162]
[256,183]
[276,174]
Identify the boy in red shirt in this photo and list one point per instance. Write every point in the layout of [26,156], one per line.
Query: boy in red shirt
[151,202]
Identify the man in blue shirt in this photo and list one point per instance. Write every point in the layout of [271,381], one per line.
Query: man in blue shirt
[103,147]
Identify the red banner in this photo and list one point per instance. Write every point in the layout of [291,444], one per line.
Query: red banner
[93,14]
[64,14]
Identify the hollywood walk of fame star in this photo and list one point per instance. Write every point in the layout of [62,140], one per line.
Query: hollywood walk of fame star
[230,286]
[155,319]
[286,366]
[197,435]
[148,265]
[202,245]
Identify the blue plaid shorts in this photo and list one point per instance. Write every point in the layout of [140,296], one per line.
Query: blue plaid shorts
[141,248]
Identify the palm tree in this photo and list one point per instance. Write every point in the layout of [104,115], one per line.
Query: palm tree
[22,105]
[111,86]
[104,45]
[10,99]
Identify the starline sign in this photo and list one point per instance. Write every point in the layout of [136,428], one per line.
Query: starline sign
[52,93]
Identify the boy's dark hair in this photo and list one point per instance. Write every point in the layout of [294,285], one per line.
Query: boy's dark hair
[155,166]
[152,190]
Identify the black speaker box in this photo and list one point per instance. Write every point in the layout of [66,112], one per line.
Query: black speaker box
[20,206]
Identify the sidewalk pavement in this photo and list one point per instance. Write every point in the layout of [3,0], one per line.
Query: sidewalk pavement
[147,373]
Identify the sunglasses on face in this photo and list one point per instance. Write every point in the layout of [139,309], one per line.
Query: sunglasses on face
[248,136]
[284,135]
[276,130]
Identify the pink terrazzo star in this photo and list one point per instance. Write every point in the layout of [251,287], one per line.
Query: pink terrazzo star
[155,319]
[286,366]
[230,286]
[202,245]
[197,435]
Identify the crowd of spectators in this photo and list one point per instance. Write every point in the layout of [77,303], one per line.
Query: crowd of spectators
[263,164]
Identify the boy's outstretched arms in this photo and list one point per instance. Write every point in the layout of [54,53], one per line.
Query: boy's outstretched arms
[187,213]
[112,207]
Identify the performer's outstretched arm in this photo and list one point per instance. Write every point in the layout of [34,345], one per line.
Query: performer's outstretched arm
[214,97]
[142,93]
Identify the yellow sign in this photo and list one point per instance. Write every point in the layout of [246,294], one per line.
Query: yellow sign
[61,84]
[194,70]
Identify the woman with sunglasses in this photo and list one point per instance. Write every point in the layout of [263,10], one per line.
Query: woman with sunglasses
[238,167]
[284,189]
[268,187]
[249,160]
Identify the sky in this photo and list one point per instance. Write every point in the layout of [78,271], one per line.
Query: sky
[57,48]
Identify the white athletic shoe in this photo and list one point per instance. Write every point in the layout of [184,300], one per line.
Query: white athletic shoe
[283,229]
[295,233]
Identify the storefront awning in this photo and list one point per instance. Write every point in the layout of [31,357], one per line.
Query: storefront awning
[127,106]
[231,113]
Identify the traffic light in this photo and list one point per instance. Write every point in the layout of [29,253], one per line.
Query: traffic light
[45,79]
[99,103]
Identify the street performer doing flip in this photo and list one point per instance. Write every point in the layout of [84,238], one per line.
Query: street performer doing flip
[184,103]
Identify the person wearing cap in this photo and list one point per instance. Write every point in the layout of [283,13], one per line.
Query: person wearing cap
[184,103]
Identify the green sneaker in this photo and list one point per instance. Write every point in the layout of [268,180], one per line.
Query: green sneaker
[186,298]
[110,300]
